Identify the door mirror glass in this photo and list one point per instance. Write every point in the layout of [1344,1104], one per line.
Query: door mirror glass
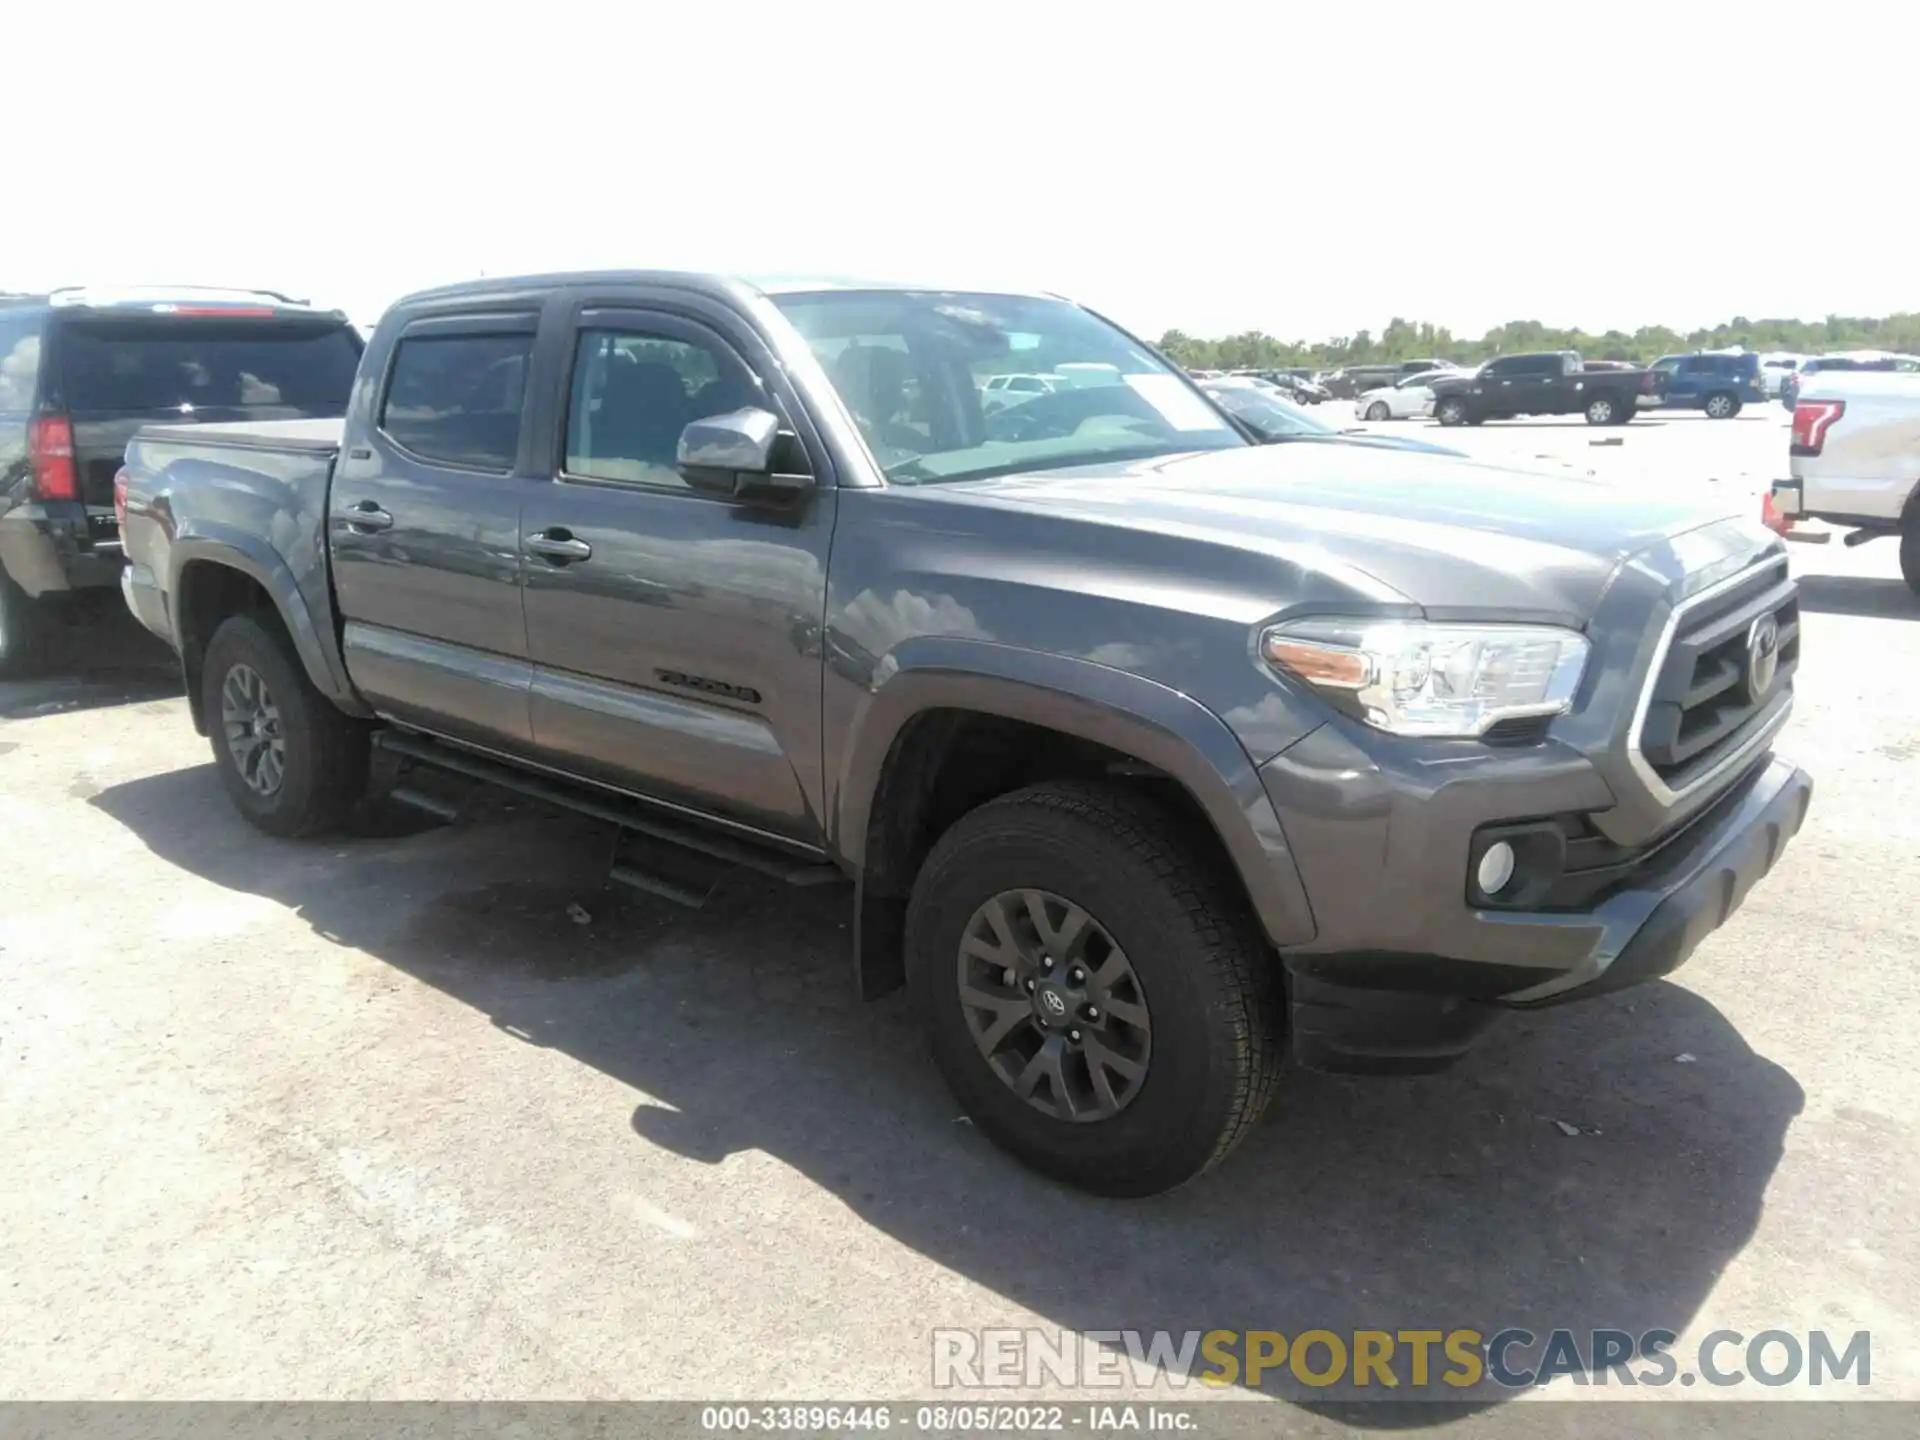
[732,454]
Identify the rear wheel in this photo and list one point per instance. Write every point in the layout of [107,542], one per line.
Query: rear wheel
[291,762]
[1451,411]
[1722,406]
[1379,411]
[23,627]
[1100,1003]
[1603,410]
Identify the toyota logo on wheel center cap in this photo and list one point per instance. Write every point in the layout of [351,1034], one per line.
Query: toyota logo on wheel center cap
[1051,999]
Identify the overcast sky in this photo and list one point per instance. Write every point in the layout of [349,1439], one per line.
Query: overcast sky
[1306,168]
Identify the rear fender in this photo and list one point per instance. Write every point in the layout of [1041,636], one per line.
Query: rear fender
[253,556]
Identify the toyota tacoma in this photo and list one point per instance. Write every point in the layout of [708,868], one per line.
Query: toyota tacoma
[1149,755]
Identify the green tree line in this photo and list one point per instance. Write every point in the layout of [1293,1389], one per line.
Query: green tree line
[1410,340]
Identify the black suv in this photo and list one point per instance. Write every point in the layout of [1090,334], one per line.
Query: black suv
[81,370]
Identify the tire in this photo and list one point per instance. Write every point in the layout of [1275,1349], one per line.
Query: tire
[322,755]
[1451,411]
[23,631]
[1721,406]
[1910,552]
[1603,410]
[1378,411]
[1197,965]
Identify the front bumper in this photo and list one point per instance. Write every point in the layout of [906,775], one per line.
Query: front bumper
[1405,970]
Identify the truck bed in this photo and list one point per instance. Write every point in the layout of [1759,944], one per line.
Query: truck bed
[305,436]
[246,495]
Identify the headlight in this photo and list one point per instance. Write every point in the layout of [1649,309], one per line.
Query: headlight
[1412,678]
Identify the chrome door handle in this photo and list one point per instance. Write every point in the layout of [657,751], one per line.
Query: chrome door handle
[558,546]
[365,516]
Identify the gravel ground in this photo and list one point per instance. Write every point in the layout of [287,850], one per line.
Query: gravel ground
[387,1117]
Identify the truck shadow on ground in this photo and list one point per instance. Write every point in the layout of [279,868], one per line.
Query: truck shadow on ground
[106,661]
[1868,596]
[1448,1201]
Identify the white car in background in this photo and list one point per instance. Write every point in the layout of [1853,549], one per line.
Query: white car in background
[1855,460]
[1775,366]
[1408,400]
[999,391]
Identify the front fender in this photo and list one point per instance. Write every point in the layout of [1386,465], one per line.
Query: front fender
[199,541]
[1139,717]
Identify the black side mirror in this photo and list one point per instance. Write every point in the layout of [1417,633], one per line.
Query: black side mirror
[732,455]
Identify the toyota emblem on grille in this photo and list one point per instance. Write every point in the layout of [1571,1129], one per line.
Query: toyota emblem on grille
[1763,655]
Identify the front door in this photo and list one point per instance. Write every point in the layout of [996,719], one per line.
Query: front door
[425,533]
[675,634]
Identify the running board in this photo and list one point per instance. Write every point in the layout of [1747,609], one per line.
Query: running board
[700,856]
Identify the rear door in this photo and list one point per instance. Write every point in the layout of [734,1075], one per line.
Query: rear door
[674,634]
[425,530]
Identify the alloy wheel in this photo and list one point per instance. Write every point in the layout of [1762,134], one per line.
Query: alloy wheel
[251,721]
[1054,1006]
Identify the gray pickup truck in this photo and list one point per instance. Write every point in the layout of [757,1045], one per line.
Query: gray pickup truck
[1149,753]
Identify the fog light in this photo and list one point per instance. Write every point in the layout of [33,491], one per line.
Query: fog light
[1496,867]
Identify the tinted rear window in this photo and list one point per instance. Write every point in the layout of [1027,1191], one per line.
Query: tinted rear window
[457,398]
[186,365]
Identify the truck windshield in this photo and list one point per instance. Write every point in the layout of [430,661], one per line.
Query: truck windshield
[913,368]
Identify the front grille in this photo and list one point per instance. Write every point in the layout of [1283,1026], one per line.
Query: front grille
[1704,700]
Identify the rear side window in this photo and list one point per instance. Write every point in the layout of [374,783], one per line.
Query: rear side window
[457,398]
[19,362]
[180,366]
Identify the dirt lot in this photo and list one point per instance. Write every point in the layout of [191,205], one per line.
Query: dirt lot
[380,1117]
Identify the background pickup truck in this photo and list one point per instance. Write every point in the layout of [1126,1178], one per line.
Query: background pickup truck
[1147,751]
[1855,459]
[1557,382]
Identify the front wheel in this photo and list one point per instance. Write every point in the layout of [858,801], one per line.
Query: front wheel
[291,762]
[1451,412]
[1378,411]
[1722,406]
[1910,553]
[1100,1002]
[1602,410]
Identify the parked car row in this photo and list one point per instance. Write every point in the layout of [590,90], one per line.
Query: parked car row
[1106,698]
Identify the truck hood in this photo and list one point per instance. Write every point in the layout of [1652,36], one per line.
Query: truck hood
[1455,537]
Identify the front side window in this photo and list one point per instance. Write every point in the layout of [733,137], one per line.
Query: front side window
[634,392]
[908,365]
[457,398]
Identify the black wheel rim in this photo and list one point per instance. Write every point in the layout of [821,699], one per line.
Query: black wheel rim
[1054,1006]
[251,721]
